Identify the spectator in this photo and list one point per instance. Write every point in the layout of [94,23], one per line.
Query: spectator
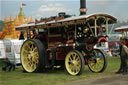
[21,36]
[123,57]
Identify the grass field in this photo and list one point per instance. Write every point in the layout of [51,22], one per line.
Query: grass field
[57,77]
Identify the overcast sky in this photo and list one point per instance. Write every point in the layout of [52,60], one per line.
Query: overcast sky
[47,8]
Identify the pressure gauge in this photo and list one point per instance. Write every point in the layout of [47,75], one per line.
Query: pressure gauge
[85,30]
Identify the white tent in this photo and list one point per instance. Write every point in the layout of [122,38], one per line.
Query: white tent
[11,49]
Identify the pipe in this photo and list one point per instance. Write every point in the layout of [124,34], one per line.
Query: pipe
[83,7]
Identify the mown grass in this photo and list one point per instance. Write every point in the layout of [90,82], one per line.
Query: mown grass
[57,77]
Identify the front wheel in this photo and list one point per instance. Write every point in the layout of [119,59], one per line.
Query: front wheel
[74,63]
[97,62]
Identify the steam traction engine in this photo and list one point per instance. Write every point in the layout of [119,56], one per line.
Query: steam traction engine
[65,42]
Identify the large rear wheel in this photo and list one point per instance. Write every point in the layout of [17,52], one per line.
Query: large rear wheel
[97,62]
[33,55]
[74,63]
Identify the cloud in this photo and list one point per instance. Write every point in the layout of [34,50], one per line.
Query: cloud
[101,2]
[101,5]
[51,10]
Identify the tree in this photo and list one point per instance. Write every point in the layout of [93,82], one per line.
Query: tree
[2,25]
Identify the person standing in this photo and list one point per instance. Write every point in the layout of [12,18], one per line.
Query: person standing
[123,56]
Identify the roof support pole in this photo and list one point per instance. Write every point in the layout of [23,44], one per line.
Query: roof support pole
[90,29]
[28,34]
[122,35]
[75,32]
[95,27]
[48,35]
[112,28]
[107,26]
[125,34]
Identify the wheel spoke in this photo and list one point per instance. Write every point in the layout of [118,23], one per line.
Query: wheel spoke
[70,62]
[35,59]
[35,54]
[78,68]
[100,62]
[27,47]
[77,58]
[35,49]
[99,66]
[29,63]
[25,51]
[74,56]
[70,59]
[33,65]
[92,65]
[71,67]
[32,47]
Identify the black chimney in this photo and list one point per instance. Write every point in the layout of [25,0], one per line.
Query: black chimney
[83,7]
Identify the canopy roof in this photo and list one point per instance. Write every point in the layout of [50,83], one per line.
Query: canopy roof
[100,19]
[25,25]
[121,29]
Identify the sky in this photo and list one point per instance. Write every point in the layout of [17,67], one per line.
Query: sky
[47,8]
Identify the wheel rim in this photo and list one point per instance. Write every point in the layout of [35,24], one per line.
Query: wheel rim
[29,56]
[96,63]
[73,63]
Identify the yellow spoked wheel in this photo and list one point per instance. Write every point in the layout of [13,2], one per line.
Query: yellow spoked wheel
[74,63]
[31,55]
[97,62]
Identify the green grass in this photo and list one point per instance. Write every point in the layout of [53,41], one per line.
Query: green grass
[58,77]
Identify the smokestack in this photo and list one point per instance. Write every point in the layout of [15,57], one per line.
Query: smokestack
[83,7]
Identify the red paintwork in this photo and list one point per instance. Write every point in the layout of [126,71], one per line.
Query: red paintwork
[127,43]
[102,39]
[121,30]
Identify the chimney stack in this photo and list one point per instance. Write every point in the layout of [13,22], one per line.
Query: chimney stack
[83,7]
